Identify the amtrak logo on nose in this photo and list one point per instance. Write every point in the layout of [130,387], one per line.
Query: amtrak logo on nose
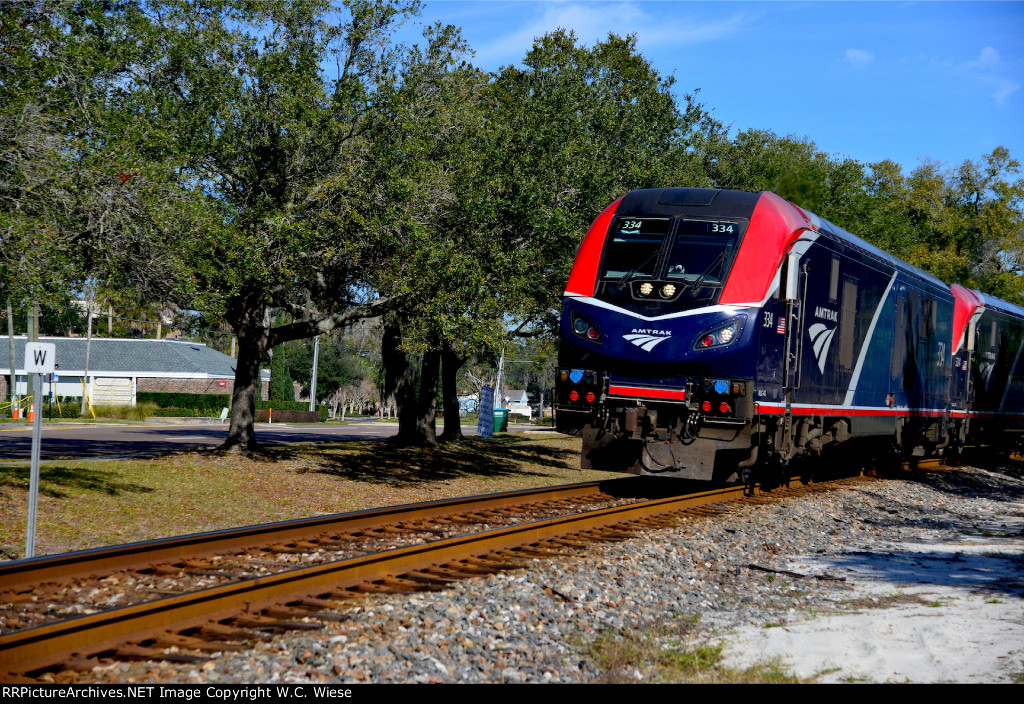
[647,339]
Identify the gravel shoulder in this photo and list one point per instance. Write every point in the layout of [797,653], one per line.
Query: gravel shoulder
[925,584]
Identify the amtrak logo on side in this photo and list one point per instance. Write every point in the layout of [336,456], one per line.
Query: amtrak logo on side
[647,341]
[821,339]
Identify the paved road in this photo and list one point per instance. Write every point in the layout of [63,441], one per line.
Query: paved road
[90,440]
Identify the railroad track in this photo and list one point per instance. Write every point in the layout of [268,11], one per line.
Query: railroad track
[218,592]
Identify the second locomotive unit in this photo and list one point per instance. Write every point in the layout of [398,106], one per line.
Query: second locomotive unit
[709,334]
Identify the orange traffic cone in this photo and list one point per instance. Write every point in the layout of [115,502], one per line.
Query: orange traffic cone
[16,411]
[31,412]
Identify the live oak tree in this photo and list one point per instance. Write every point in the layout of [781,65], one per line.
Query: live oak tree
[436,262]
[516,168]
[260,104]
[964,224]
[579,127]
[73,193]
[988,198]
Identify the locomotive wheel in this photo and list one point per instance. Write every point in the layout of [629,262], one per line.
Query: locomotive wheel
[802,467]
[773,474]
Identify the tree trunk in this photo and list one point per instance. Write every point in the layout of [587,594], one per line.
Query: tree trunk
[400,381]
[426,416]
[252,347]
[416,412]
[451,363]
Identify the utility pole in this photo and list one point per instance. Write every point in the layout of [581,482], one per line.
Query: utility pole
[11,390]
[88,346]
[312,383]
[499,402]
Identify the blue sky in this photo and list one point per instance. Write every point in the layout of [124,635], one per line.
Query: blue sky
[868,80]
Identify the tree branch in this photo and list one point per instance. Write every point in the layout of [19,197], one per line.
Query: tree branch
[311,328]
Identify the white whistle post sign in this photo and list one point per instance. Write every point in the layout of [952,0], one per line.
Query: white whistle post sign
[40,358]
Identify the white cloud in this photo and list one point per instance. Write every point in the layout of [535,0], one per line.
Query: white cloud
[592,22]
[987,59]
[989,68]
[1004,87]
[859,58]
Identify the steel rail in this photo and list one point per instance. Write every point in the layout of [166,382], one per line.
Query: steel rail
[45,646]
[20,574]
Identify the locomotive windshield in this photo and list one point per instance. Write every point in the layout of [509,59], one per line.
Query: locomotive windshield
[634,247]
[651,261]
[701,251]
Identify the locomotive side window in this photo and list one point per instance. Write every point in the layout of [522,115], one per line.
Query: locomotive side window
[926,327]
[833,286]
[899,346]
[848,324]
[634,247]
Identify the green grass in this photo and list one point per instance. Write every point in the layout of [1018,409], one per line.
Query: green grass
[656,657]
[139,411]
[884,602]
[85,504]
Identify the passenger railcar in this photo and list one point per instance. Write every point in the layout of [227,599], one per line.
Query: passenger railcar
[987,367]
[711,334]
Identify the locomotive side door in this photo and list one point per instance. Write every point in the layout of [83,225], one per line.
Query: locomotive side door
[796,294]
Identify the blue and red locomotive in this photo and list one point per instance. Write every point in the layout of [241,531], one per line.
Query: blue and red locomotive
[710,334]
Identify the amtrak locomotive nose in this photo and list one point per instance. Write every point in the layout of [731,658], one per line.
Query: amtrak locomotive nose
[716,335]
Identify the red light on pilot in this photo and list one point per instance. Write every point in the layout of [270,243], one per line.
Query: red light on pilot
[573,396]
[590,397]
[724,407]
[706,406]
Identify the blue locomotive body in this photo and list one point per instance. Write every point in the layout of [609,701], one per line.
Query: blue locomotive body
[708,334]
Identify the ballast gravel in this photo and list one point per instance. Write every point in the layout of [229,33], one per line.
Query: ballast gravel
[709,581]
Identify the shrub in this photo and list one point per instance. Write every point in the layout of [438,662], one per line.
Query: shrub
[207,404]
[140,411]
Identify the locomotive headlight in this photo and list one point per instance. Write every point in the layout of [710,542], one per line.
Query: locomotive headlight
[719,337]
[668,290]
[646,289]
[584,328]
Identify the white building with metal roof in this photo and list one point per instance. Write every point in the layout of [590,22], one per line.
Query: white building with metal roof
[119,368]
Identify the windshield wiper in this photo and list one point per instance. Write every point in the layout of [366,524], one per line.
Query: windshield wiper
[628,276]
[707,272]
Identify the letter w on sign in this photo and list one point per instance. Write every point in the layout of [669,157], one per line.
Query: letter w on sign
[40,357]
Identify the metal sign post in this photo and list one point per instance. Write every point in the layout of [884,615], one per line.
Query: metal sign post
[40,359]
